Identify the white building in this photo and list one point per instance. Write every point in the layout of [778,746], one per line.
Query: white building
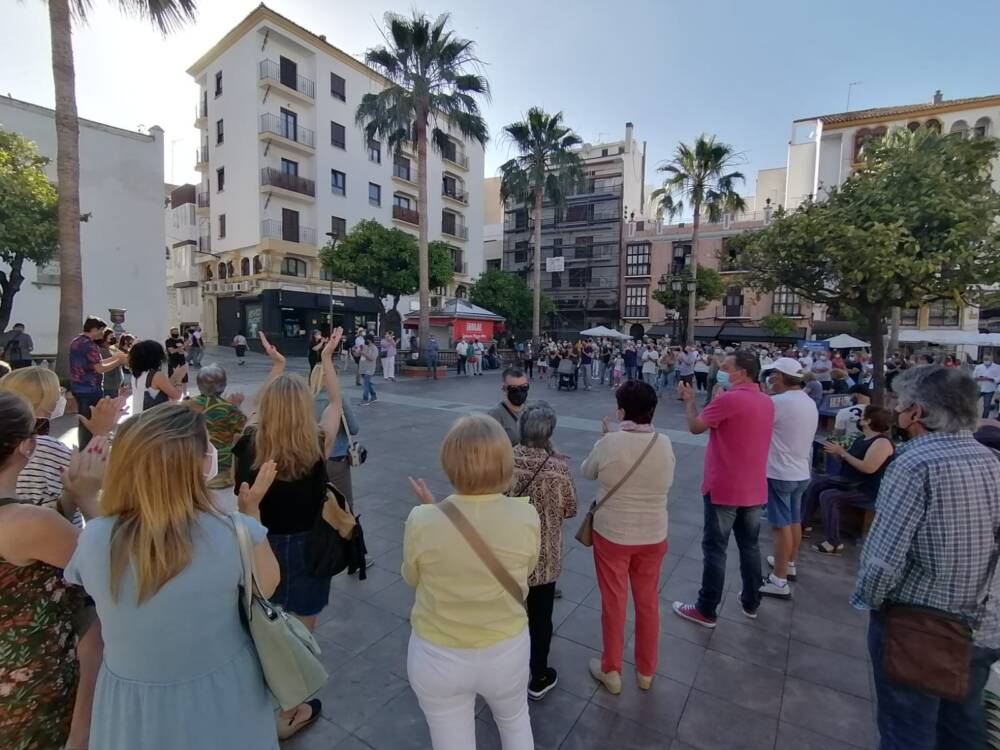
[121,236]
[184,260]
[284,165]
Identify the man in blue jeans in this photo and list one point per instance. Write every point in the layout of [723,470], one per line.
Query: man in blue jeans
[86,372]
[734,486]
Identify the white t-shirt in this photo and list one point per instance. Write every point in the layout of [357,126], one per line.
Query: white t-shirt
[992,371]
[847,420]
[806,362]
[461,349]
[649,360]
[821,368]
[795,422]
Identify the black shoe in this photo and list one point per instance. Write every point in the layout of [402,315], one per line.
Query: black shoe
[539,687]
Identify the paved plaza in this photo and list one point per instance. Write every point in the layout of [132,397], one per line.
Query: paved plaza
[796,678]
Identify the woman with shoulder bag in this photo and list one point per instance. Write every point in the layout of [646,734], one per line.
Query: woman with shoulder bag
[634,467]
[470,629]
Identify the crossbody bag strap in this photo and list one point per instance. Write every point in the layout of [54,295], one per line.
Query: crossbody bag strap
[482,550]
[249,578]
[613,490]
[534,476]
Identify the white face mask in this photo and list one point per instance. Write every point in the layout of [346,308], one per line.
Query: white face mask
[212,455]
[60,408]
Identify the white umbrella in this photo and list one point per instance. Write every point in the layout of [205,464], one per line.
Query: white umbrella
[604,332]
[846,341]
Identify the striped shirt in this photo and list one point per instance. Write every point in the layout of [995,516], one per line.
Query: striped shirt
[934,535]
[40,481]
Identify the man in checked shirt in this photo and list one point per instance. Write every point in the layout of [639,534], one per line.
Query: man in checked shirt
[933,544]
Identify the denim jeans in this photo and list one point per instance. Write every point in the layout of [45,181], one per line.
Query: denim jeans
[367,389]
[744,523]
[584,372]
[987,403]
[909,719]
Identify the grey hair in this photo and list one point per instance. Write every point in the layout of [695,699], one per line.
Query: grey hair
[211,380]
[948,397]
[537,423]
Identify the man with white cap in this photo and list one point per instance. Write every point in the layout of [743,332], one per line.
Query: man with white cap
[788,463]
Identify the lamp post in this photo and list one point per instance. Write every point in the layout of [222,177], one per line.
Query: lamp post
[678,283]
[333,244]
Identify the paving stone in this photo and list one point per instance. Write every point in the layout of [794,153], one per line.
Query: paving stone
[827,712]
[397,599]
[570,659]
[322,735]
[376,579]
[748,685]
[600,727]
[551,718]
[677,659]
[354,625]
[358,692]
[709,723]
[753,645]
[791,737]
[834,636]
[584,627]
[840,672]
[389,653]
[399,725]
[658,708]
[575,587]
[773,615]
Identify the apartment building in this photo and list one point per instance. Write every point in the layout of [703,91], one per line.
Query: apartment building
[185,263]
[285,167]
[492,225]
[584,235]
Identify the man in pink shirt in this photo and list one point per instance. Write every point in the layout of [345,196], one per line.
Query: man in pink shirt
[735,482]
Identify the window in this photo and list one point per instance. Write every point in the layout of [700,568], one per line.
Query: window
[584,247]
[220,135]
[908,316]
[401,168]
[338,182]
[637,260]
[338,227]
[579,277]
[556,280]
[578,213]
[681,259]
[374,194]
[289,124]
[245,267]
[222,226]
[374,151]
[449,223]
[208,273]
[732,303]
[258,264]
[222,271]
[521,252]
[942,313]
[862,137]
[933,124]
[557,247]
[229,269]
[604,152]
[338,87]
[786,302]
[637,301]
[729,257]
[494,264]
[220,179]
[293,267]
[402,201]
[981,128]
[959,128]
[520,219]
[218,83]
[337,135]
[290,167]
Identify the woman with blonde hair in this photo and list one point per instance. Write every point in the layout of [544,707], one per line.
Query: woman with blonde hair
[470,629]
[164,569]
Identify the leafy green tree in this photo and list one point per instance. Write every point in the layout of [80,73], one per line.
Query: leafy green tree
[506,294]
[546,166]
[432,82]
[709,286]
[385,262]
[702,177]
[28,228]
[779,325]
[916,223]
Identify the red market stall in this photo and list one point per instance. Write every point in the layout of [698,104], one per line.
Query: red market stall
[458,319]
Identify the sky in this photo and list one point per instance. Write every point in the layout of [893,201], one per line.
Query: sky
[676,68]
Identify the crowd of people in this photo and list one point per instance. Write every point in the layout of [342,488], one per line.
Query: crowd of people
[130,540]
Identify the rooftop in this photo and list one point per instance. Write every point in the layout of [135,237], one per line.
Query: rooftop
[883,113]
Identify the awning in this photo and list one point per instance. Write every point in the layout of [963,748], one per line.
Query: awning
[949,337]
[738,333]
[604,332]
[846,341]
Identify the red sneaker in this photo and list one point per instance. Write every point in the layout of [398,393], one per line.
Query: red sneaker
[690,612]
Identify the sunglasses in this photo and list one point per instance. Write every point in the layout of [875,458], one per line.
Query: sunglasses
[516,388]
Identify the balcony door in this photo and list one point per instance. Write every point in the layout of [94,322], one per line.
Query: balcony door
[289,225]
[448,223]
[289,73]
[289,125]
[733,302]
[450,186]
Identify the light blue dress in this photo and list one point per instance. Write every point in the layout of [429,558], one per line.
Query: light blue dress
[179,671]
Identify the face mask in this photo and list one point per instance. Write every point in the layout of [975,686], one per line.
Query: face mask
[59,409]
[722,378]
[213,463]
[517,394]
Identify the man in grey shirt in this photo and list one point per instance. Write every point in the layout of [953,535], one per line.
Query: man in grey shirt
[515,390]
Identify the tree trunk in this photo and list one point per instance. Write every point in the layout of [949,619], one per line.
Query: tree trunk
[897,315]
[10,285]
[424,218]
[693,295]
[536,276]
[68,181]
[875,315]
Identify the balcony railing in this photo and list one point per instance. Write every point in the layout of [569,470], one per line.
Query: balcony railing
[201,109]
[406,214]
[204,200]
[732,311]
[456,157]
[279,179]
[403,173]
[273,124]
[201,155]
[456,194]
[455,231]
[269,70]
[288,232]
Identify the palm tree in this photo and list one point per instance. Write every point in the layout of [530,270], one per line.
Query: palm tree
[163,14]
[699,175]
[546,166]
[433,79]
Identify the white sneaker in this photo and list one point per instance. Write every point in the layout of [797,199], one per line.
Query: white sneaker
[771,587]
[791,574]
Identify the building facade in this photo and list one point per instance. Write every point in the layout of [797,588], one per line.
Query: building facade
[285,167]
[492,225]
[185,263]
[121,228]
[584,236]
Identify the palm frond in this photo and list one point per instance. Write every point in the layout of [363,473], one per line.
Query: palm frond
[165,15]
[701,175]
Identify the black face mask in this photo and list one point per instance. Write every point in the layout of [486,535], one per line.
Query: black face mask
[517,395]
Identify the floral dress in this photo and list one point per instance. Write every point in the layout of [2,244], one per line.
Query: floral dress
[38,665]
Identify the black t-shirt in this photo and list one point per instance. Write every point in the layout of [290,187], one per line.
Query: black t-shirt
[606,354]
[585,355]
[175,359]
[289,507]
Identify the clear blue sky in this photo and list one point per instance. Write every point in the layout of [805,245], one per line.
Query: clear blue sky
[738,69]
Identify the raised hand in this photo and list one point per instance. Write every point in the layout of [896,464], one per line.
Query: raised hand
[271,350]
[422,491]
[85,473]
[104,415]
[250,496]
[332,343]
[236,399]
[685,392]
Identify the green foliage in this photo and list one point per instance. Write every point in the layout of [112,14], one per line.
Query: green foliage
[547,160]
[506,294]
[700,176]
[709,287]
[778,324]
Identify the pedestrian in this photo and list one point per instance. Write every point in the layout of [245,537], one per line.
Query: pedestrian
[685,365]
[176,351]
[650,366]
[470,628]
[821,368]
[604,369]
[387,352]
[634,467]
[150,385]
[224,419]
[17,347]
[432,356]
[316,343]
[555,357]
[529,361]
[476,354]
[514,386]
[812,388]
[86,372]
[987,375]
[543,476]
[112,378]
[618,371]
[369,358]
[734,487]
[933,545]
[788,470]
[195,346]
[359,344]
[240,347]
[461,356]
[665,366]
[701,369]
[631,361]
[586,363]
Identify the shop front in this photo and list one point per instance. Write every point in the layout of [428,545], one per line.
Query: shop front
[458,319]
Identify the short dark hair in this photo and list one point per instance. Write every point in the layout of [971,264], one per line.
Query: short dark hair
[638,400]
[93,322]
[145,356]
[878,418]
[859,390]
[19,325]
[511,372]
[747,361]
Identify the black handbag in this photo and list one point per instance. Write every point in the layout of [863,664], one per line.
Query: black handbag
[336,541]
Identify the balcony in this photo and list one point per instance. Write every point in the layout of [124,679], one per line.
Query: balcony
[269,73]
[457,158]
[203,204]
[291,185]
[732,312]
[406,174]
[201,158]
[407,215]
[455,230]
[205,243]
[456,194]
[201,113]
[278,230]
[291,135]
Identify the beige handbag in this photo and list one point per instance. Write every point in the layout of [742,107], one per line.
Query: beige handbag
[585,534]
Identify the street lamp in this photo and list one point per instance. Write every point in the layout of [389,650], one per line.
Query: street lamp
[334,236]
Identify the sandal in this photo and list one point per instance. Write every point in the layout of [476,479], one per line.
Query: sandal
[826,548]
[291,727]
